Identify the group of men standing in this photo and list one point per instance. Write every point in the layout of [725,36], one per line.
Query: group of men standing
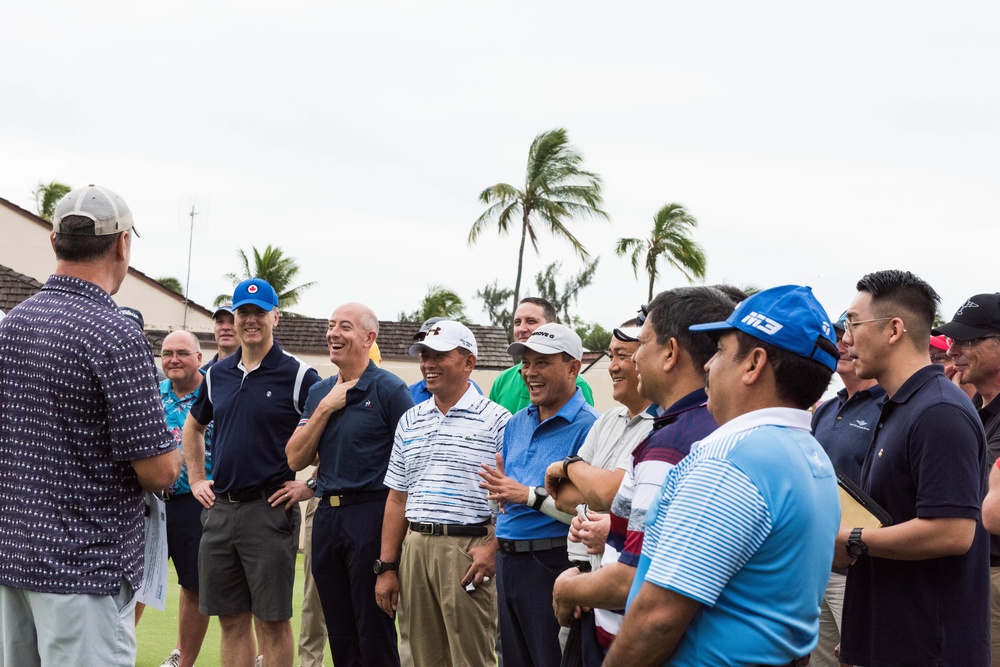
[696,523]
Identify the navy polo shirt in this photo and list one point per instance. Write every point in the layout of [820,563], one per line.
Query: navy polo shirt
[528,448]
[927,459]
[255,414]
[844,427]
[356,444]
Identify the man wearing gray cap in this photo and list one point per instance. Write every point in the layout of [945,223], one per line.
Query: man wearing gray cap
[226,339]
[82,433]
[443,588]
[532,544]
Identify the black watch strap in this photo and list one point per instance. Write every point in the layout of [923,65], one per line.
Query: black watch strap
[383,566]
[568,460]
[540,495]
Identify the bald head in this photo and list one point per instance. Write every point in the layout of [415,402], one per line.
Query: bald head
[352,330]
[181,359]
[183,337]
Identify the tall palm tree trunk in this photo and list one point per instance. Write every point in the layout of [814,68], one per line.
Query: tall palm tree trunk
[520,268]
[652,277]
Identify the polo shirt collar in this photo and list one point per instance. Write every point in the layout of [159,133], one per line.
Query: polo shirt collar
[366,377]
[915,382]
[785,417]
[270,360]
[61,283]
[568,411]
[695,399]
[167,388]
[468,399]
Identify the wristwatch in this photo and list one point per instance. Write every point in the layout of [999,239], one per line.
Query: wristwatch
[540,495]
[855,547]
[311,483]
[382,566]
[567,461]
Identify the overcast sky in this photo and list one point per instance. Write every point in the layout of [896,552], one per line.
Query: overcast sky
[814,142]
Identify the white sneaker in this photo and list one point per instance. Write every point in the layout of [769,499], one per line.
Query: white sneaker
[173,659]
[260,661]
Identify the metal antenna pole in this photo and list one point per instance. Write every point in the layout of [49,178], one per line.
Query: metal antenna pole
[187,285]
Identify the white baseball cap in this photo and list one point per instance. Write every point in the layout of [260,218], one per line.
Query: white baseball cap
[447,335]
[107,209]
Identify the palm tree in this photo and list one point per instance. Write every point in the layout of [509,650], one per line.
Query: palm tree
[670,240]
[172,284]
[47,196]
[555,189]
[274,266]
[439,302]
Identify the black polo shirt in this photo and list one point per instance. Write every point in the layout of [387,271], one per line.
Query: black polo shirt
[255,414]
[927,460]
[844,427]
[990,416]
[356,444]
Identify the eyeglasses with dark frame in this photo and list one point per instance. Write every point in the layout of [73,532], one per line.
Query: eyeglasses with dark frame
[180,354]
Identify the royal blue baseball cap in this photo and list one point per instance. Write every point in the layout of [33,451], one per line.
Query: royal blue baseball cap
[838,323]
[788,317]
[255,292]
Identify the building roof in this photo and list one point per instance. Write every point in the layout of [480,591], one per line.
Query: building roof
[307,335]
[136,273]
[15,287]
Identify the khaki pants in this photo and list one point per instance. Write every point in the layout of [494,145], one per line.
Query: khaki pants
[830,612]
[312,631]
[445,624]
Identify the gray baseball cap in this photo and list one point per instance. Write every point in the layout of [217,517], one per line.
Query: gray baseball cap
[107,209]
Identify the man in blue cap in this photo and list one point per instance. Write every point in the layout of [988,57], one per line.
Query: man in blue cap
[738,546]
[246,563]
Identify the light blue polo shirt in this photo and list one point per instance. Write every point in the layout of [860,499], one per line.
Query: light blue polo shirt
[745,525]
[528,449]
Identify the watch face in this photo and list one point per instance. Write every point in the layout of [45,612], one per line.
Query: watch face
[855,550]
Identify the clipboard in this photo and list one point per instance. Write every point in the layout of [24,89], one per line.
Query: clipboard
[857,509]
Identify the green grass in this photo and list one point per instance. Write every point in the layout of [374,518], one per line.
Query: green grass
[157,632]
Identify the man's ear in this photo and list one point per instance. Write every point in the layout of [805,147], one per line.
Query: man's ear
[753,365]
[671,355]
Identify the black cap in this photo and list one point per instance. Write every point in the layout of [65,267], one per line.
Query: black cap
[979,316]
[425,327]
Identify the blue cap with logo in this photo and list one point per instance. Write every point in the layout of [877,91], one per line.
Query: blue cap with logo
[255,292]
[788,317]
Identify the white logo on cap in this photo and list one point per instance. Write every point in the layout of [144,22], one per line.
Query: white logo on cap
[252,289]
[762,323]
[826,328]
[967,304]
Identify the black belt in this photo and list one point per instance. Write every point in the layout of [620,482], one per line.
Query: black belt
[354,498]
[798,662]
[524,546]
[453,529]
[246,496]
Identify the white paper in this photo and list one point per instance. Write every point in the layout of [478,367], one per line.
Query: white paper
[153,591]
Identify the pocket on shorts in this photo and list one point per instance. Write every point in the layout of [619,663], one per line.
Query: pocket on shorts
[125,597]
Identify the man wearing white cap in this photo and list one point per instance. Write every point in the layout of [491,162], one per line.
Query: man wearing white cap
[82,433]
[533,544]
[444,589]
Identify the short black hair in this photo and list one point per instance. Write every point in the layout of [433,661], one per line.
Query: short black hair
[672,312]
[733,292]
[548,309]
[894,290]
[78,244]
[798,380]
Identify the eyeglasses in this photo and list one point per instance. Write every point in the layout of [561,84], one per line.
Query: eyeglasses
[180,354]
[849,326]
[939,358]
[966,344]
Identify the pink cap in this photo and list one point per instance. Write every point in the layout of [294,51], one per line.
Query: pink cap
[940,342]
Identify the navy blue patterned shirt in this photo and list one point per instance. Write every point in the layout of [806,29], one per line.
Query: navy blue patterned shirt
[78,403]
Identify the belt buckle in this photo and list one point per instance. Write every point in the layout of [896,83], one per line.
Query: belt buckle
[425,527]
[334,501]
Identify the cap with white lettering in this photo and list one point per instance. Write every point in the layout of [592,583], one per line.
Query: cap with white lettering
[788,317]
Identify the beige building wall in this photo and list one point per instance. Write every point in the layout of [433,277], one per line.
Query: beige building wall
[27,249]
